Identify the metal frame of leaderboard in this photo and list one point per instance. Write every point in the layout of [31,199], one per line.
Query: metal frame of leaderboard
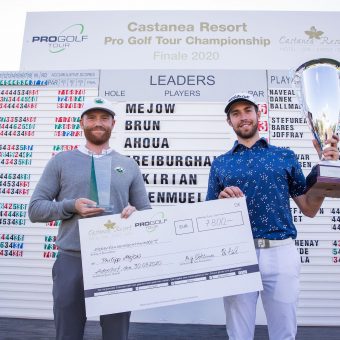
[168,255]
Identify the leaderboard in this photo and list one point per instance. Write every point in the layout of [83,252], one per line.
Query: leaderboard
[317,240]
[174,130]
[38,118]
[175,145]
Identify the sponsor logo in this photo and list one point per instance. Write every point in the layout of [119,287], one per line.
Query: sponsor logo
[99,101]
[313,33]
[108,228]
[152,224]
[68,37]
[110,225]
[119,169]
[311,38]
[241,96]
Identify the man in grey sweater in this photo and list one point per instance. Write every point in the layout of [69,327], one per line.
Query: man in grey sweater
[63,193]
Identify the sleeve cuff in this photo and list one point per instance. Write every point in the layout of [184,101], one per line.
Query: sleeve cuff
[69,206]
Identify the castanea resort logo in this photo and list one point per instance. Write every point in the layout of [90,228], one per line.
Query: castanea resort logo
[313,33]
[110,225]
[312,36]
[109,228]
[153,223]
[71,35]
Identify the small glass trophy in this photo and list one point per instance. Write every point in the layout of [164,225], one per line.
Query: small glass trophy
[100,183]
[317,84]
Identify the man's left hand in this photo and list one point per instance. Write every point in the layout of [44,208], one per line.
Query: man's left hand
[127,211]
[331,152]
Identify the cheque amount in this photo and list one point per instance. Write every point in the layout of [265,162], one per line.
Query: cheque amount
[227,220]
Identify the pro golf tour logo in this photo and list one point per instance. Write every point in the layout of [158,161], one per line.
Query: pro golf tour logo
[154,222]
[68,37]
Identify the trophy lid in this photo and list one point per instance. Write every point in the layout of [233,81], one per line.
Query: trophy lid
[319,61]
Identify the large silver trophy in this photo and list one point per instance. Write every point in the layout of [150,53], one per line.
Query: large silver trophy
[317,85]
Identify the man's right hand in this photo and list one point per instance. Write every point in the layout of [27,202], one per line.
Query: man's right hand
[230,192]
[83,209]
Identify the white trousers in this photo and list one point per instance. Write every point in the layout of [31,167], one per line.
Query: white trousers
[280,269]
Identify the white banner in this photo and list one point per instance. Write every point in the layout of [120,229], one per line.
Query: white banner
[178,39]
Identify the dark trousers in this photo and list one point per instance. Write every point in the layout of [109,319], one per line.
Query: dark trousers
[69,304]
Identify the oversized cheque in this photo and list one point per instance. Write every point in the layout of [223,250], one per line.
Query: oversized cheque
[168,255]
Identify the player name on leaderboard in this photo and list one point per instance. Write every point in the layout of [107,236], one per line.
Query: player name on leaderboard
[174,139]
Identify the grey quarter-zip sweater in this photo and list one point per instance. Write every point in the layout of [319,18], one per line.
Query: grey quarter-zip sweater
[66,178]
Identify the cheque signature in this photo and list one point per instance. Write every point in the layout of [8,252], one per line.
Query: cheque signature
[229,251]
[198,257]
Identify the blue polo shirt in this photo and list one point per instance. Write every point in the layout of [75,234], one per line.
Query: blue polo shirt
[268,176]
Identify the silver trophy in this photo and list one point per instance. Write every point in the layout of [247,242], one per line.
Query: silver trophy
[317,85]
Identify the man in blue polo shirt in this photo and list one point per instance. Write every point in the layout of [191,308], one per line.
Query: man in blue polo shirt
[268,176]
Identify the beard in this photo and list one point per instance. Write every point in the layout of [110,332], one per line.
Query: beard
[97,139]
[247,134]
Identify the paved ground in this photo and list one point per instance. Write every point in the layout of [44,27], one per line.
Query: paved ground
[28,329]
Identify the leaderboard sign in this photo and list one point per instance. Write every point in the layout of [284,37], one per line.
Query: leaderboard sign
[174,139]
[178,39]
